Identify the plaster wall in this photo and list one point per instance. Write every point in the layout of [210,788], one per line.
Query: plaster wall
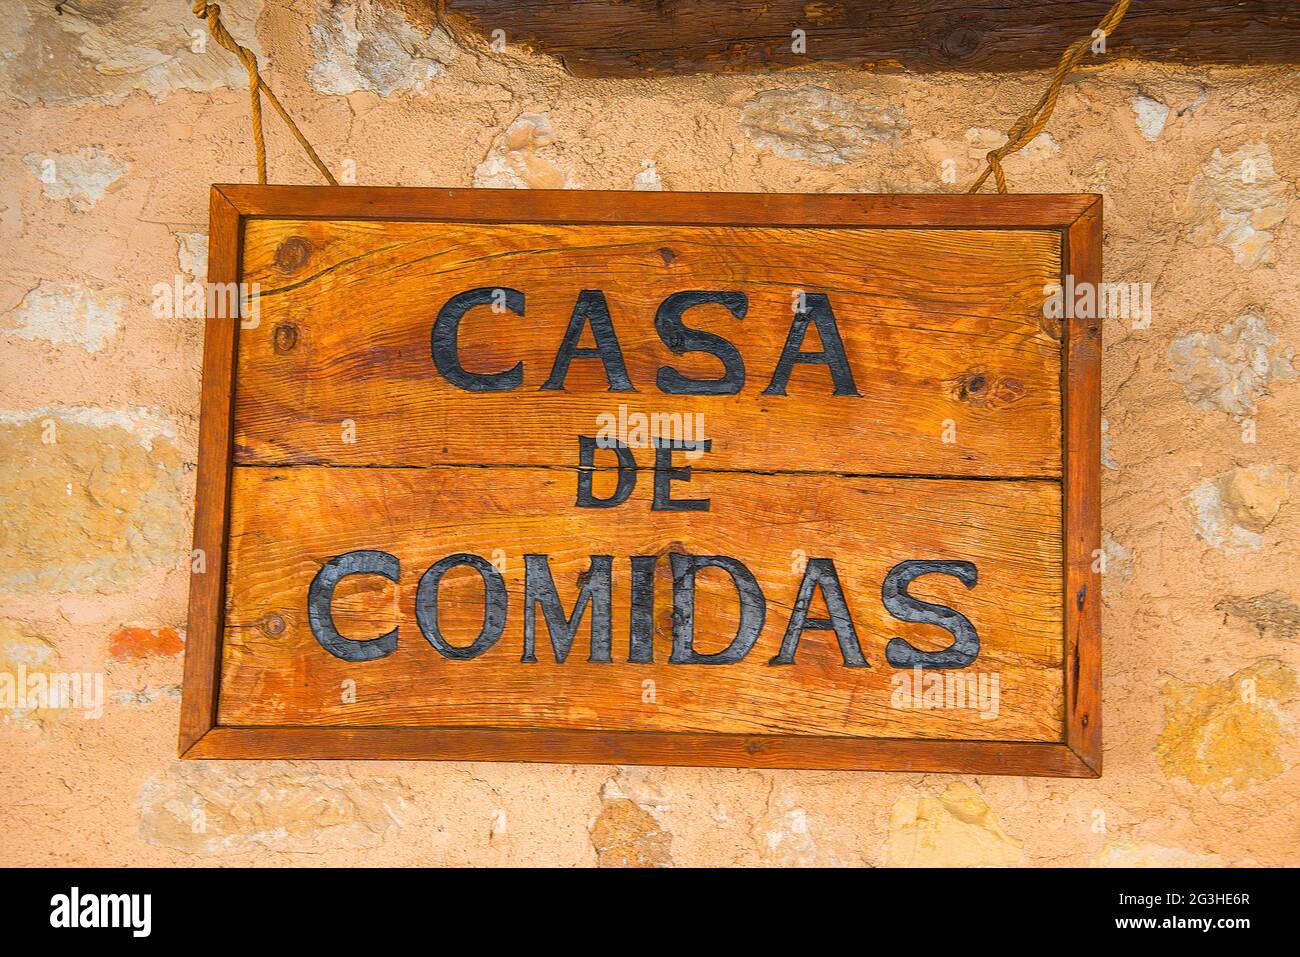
[114,129]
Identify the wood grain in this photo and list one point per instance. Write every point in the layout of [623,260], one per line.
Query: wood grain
[1083,501]
[212,488]
[644,747]
[253,691]
[652,37]
[923,314]
[1019,211]
[287,521]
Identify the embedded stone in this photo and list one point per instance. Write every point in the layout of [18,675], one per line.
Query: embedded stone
[66,314]
[1274,614]
[71,54]
[1119,564]
[524,156]
[23,650]
[81,178]
[1232,510]
[957,829]
[1227,734]
[1107,456]
[1151,116]
[192,255]
[626,835]
[92,498]
[1252,496]
[1237,201]
[1230,370]
[784,834]
[365,46]
[143,697]
[812,124]
[648,179]
[207,808]
[1129,854]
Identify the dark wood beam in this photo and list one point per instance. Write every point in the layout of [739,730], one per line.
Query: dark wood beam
[655,37]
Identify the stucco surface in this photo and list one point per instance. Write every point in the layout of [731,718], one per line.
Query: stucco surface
[111,142]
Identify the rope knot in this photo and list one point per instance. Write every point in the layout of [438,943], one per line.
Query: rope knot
[1032,122]
[211,12]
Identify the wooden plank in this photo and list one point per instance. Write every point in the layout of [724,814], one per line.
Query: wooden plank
[959,350]
[679,749]
[1039,534]
[212,487]
[619,207]
[651,37]
[288,521]
[1083,501]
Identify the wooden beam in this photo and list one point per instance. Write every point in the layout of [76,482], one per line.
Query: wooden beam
[657,37]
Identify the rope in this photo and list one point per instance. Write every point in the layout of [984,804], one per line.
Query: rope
[1025,129]
[256,86]
[1031,123]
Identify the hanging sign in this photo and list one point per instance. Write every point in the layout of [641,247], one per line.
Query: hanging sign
[649,478]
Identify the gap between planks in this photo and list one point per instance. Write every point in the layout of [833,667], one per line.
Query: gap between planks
[934,477]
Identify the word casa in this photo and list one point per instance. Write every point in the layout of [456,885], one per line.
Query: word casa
[591,311]
[595,600]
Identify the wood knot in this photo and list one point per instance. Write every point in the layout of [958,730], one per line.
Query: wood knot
[1050,327]
[293,254]
[960,42]
[667,255]
[273,625]
[984,389]
[674,547]
[284,338]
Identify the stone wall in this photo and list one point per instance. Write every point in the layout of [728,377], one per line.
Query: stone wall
[115,130]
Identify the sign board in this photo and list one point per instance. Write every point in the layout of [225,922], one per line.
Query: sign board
[649,478]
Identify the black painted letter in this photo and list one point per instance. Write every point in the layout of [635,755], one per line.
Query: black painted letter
[753,609]
[596,590]
[494,605]
[965,645]
[666,473]
[587,462]
[681,339]
[641,614]
[446,351]
[817,309]
[321,593]
[821,572]
[590,309]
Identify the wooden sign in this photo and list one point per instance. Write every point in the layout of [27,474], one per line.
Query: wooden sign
[649,478]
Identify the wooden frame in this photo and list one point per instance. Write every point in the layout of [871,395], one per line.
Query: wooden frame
[1078,220]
